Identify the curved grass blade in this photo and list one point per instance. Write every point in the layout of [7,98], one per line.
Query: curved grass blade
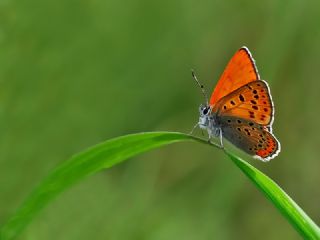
[294,214]
[92,160]
[114,151]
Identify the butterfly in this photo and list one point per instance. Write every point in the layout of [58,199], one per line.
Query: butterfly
[240,109]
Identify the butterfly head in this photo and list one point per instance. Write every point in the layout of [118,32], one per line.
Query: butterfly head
[205,118]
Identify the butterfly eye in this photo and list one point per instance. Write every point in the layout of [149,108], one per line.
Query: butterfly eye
[205,111]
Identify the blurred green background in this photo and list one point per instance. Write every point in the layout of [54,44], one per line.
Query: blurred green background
[75,73]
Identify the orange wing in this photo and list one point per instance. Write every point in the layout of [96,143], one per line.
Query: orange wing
[240,70]
[251,102]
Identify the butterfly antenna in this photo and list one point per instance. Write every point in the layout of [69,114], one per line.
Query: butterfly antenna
[200,85]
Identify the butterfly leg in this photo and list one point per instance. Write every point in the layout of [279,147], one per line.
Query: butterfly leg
[209,142]
[194,127]
[216,132]
[221,138]
[214,144]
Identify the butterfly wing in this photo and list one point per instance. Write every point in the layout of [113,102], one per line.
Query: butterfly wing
[250,137]
[251,102]
[240,70]
[243,108]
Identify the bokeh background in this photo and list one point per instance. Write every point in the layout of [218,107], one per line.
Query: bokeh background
[75,73]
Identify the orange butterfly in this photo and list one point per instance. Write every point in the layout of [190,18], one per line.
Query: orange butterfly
[241,109]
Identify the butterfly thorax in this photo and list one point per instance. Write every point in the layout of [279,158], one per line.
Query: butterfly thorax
[208,120]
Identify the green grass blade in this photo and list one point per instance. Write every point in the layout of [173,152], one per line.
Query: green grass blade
[295,215]
[101,156]
[114,151]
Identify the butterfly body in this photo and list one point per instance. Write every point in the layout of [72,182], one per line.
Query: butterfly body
[241,109]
